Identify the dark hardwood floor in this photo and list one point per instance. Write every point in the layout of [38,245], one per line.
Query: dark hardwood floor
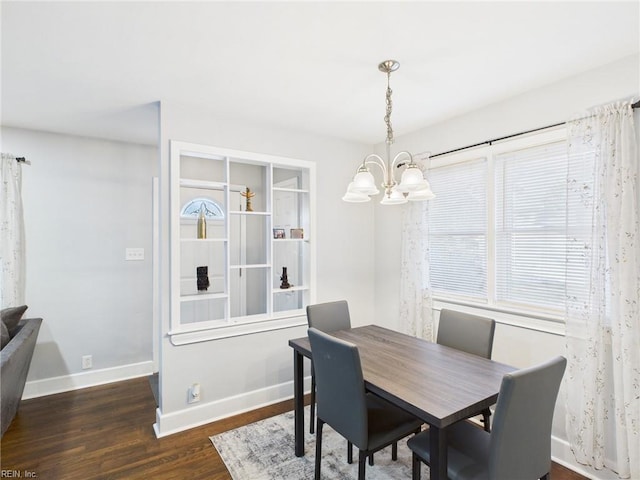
[106,432]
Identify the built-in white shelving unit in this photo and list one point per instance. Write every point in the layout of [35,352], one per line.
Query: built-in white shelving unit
[245,250]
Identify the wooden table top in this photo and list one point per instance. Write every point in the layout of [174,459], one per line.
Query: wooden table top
[440,385]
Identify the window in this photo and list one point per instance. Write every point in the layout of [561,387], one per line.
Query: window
[458,230]
[211,210]
[497,228]
[530,207]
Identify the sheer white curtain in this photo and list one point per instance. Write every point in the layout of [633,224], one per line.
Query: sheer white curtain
[416,314]
[603,314]
[12,261]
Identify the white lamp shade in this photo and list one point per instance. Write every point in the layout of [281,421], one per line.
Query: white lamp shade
[355,197]
[411,180]
[396,198]
[364,182]
[420,195]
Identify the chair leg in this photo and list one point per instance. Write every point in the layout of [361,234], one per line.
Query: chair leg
[318,449]
[313,402]
[362,464]
[415,471]
[394,451]
[349,453]
[486,420]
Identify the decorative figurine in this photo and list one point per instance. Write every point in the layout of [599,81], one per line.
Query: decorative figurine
[285,279]
[202,274]
[202,222]
[248,195]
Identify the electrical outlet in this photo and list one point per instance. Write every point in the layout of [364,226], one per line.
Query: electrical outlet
[87,362]
[194,393]
[134,254]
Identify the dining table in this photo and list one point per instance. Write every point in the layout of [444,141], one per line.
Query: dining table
[440,385]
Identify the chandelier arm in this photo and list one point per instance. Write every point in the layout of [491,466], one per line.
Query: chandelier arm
[388,179]
[398,156]
[375,159]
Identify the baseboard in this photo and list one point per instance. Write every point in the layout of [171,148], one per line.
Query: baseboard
[203,413]
[76,381]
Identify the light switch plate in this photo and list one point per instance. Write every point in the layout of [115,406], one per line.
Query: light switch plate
[134,254]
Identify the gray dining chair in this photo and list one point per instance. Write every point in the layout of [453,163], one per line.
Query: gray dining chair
[327,317]
[468,333]
[365,420]
[519,445]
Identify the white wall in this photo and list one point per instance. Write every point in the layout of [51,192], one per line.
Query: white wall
[553,104]
[85,201]
[241,373]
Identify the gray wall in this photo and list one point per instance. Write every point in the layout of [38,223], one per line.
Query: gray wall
[85,201]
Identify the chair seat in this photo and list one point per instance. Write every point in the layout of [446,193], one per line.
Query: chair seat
[468,451]
[387,423]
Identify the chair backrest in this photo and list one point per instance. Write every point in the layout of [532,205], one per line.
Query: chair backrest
[341,393]
[521,432]
[330,316]
[466,332]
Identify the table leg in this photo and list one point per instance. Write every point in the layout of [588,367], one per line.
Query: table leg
[438,454]
[298,401]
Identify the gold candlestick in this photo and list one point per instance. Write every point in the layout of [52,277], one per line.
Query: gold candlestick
[248,195]
[202,223]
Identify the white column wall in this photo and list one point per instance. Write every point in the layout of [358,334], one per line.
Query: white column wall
[241,373]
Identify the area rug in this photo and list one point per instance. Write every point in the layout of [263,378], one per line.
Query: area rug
[264,451]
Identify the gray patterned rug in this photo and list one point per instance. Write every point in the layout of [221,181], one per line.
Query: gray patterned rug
[264,451]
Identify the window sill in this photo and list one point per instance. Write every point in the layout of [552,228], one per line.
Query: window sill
[529,320]
[207,334]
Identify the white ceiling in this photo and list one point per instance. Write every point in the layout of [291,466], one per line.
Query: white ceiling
[94,68]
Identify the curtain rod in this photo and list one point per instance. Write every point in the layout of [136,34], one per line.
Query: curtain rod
[23,160]
[489,142]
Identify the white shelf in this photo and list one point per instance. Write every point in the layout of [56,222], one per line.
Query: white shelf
[291,289]
[206,185]
[244,212]
[205,240]
[290,239]
[202,296]
[253,265]
[294,190]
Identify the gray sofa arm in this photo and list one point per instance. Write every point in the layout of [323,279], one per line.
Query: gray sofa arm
[16,358]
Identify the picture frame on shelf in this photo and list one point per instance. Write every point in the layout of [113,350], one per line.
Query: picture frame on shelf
[278,233]
[297,233]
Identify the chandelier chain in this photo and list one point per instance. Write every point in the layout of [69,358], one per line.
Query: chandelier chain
[387,117]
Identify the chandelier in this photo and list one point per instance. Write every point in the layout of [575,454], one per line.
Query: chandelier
[412,187]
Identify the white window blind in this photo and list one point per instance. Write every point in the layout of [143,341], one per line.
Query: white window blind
[457,220]
[530,227]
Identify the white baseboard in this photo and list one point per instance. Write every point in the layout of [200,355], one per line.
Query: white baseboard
[202,413]
[49,386]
